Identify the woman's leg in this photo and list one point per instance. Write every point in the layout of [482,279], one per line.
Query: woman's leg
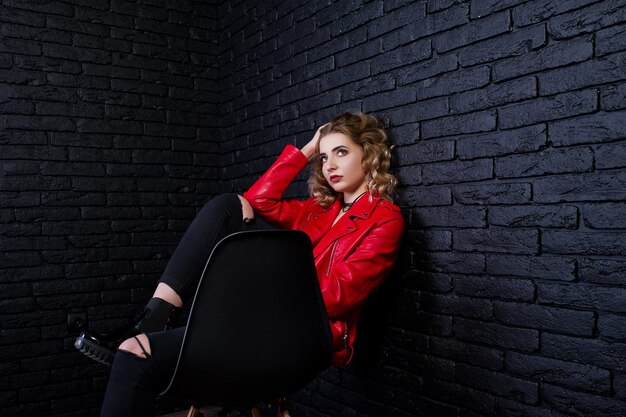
[137,378]
[220,217]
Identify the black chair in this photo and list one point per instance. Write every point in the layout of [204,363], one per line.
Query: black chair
[258,329]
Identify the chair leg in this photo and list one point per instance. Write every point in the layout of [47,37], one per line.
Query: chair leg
[193,412]
[283,407]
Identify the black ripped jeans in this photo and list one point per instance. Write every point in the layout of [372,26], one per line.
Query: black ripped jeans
[135,382]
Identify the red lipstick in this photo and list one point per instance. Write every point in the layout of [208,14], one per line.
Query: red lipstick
[335,178]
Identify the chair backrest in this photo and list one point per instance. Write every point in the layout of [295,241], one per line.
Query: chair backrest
[258,329]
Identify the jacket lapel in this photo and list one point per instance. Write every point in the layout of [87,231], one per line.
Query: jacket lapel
[346,225]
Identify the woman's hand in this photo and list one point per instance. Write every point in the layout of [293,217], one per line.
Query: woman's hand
[310,149]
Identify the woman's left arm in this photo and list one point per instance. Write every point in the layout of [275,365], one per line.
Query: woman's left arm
[353,279]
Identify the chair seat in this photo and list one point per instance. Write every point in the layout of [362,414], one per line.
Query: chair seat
[258,329]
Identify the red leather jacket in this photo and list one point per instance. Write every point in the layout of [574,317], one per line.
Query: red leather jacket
[352,257]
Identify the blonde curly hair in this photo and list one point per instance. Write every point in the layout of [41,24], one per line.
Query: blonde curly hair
[367,132]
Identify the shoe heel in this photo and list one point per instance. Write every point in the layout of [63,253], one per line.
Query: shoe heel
[93,350]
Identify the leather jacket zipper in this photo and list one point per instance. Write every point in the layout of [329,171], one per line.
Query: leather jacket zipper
[332,255]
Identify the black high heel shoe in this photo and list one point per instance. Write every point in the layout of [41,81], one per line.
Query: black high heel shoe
[158,315]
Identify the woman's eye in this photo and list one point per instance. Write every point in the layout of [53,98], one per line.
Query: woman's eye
[342,152]
[323,158]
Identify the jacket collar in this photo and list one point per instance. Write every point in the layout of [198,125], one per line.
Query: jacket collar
[362,208]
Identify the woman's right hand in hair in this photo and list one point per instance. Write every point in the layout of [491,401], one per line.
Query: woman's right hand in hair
[310,149]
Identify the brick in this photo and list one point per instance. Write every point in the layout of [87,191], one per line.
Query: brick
[389,99]
[596,128]
[452,305]
[583,296]
[457,171]
[498,383]
[583,243]
[587,19]
[554,55]
[409,175]
[426,323]
[604,216]
[610,156]
[455,125]
[423,110]
[426,151]
[514,44]
[10,14]
[412,13]
[492,194]
[612,327]
[572,375]
[70,198]
[602,271]
[511,407]
[481,7]
[453,216]
[404,135]
[435,23]
[611,40]
[19,46]
[436,65]
[453,82]
[549,108]
[581,404]
[427,196]
[22,77]
[497,240]
[432,239]
[538,11]
[454,262]
[42,63]
[34,33]
[20,168]
[552,319]
[77,53]
[347,48]
[409,54]
[542,267]
[494,95]
[365,14]
[601,186]
[534,216]
[495,288]
[601,70]
[544,162]
[502,142]
[53,7]
[476,30]
[461,396]
[15,199]
[613,97]
[465,352]
[619,383]
[491,334]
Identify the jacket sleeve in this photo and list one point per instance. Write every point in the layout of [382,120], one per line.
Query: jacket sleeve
[352,280]
[265,195]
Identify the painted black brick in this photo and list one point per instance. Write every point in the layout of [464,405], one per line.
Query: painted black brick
[553,319]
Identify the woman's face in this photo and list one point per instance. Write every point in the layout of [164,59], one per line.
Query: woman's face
[342,165]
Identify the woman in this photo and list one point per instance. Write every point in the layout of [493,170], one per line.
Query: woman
[350,218]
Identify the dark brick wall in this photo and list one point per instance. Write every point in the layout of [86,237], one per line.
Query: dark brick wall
[120,118]
[108,144]
[510,116]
